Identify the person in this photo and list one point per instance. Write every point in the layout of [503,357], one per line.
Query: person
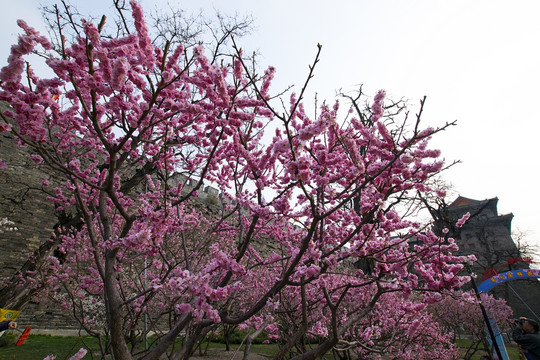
[5,325]
[525,333]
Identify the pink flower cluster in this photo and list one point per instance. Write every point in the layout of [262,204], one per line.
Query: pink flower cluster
[463,220]
[77,356]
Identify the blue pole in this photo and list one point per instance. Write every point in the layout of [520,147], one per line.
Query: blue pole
[499,340]
[495,342]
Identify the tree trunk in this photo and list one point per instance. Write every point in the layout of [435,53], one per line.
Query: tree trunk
[252,337]
[114,309]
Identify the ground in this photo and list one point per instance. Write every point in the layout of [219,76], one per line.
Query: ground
[221,354]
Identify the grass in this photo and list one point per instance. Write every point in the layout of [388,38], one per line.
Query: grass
[36,347]
[513,352]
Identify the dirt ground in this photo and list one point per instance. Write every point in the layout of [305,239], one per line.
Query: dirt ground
[221,354]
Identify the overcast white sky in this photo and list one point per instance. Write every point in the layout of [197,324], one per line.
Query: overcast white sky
[476,61]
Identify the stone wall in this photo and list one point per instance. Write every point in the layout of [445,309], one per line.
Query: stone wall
[23,200]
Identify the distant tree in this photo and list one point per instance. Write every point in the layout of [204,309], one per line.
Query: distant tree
[526,249]
[396,326]
[138,130]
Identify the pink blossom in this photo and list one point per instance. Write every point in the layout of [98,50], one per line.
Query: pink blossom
[79,355]
[36,158]
[5,127]
[463,220]
[12,72]
[391,215]
[267,78]
[173,59]
[377,107]
[183,308]
[119,73]
[281,146]
[91,32]
[145,44]
[440,193]
[237,68]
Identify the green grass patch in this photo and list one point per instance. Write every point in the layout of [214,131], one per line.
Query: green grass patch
[36,347]
[511,349]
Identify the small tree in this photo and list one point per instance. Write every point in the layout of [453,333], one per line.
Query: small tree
[395,326]
[137,132]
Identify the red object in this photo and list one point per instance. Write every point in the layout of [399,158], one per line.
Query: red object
[23,336]
[518,259]
[489,273]
[492,271]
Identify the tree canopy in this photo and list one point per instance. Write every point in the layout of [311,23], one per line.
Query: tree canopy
[305,239]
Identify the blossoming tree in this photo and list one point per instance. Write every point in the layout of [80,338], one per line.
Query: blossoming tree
[460,314]
[137,131]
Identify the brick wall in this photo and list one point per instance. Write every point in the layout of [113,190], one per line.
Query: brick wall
[23,200]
